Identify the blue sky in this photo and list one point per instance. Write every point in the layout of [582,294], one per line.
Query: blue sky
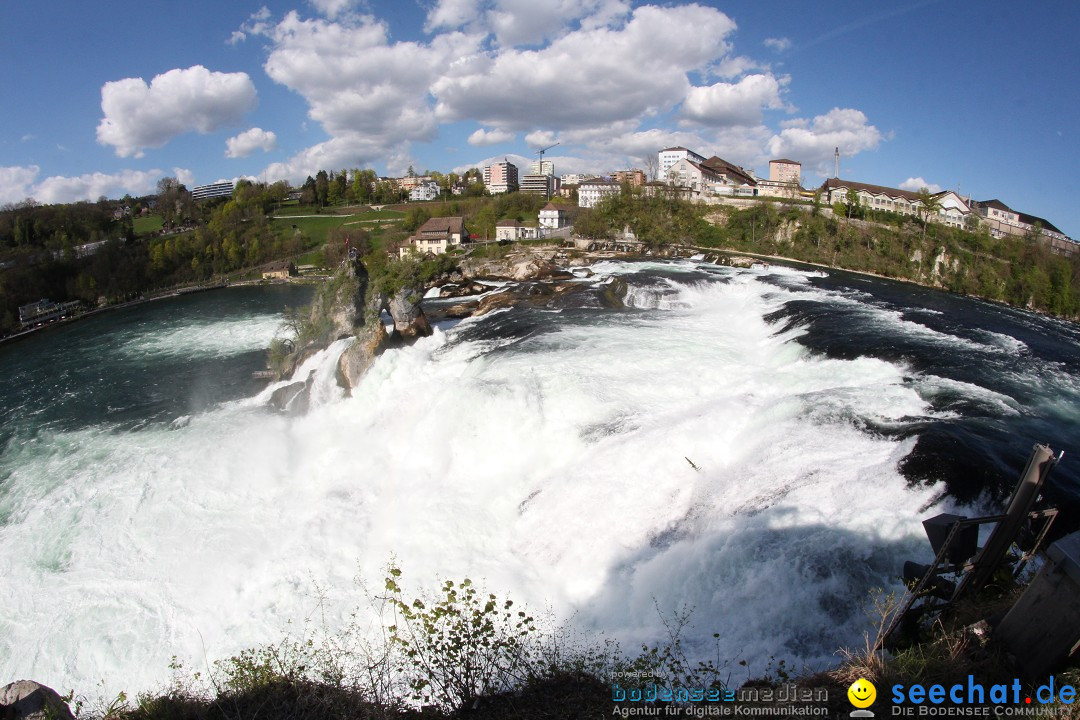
[106,99]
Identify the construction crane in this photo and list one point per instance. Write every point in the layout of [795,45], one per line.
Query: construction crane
[540,164]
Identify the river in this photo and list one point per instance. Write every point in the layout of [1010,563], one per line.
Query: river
[758,446]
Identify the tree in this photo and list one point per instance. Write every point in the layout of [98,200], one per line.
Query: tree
[322,188]
[929,205]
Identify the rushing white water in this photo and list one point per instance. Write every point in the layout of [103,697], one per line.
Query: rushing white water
[557,467]
[214,338]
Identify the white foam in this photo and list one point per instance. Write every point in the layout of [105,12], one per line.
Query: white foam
[556,470]
[218,338]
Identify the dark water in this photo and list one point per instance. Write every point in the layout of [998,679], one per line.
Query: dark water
[152,363]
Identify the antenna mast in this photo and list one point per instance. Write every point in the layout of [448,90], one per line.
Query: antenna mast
[836,157]
[540,164]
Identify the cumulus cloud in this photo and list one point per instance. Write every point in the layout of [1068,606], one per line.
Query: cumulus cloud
[346,151]
[237,37]
[453,14]
[778,44]
[355,81]
[588,77]
[484,137]
[733,104]
[139,116]
[184,176]
[915,184]
[333,8]
[249,141]
[812,142]
[16,181]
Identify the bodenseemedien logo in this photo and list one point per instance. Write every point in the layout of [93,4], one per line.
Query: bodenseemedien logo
[862,695]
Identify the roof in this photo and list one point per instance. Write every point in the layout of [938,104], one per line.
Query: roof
[996,204]
[598,182]
[720,165]
[448,225]
[550,206]
[1034,219]
[508,223]
[677,147]
[789,162]
[833,183]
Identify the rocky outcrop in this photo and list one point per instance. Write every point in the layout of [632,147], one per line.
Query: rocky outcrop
[292,398]
[359,356]
[410,322]
[28,700]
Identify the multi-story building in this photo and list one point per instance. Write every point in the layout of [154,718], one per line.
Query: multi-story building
[574,178]
[501,177]
[428,190]
[785,171]
[552,217]
[669,156]
[1003,220]
[635,177]
[591,192]
[221,189]
[542,167]
[545,185]
[714,176]
[952,209]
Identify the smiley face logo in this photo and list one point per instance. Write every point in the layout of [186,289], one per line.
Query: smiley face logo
[862,693]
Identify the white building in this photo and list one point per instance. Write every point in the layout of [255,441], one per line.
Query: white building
[428,190]
[574,178]
[591,192]
[221,189]
[514,230]
[669,156]
[552,217]
[542,167]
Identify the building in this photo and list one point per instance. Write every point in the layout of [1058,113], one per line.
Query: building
[574,179]
[552,217]
[669,156]
[501,177]
[213,190]
[952,210]
[697,178]
[591,192]
[734,180]
[542,167]
[279,271]
[44,311]
[428,190]
[510,230]
[546,185]
[785,171]
[635,177]
[437,235]
[1002,220]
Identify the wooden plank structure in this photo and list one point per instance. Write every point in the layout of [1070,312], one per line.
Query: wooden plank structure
[954,539]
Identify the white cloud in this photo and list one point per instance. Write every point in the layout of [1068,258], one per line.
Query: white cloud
[916,184]
[452,14]
[249,141]
[236,38]
[778,44]
[484,137]
[28,137]
[184,176]
[15,183]
[333,8]
[139,116]
[733,104]
[91,186]
[375,87]
[587,77]
[346,151]
[812,142]
[528,22]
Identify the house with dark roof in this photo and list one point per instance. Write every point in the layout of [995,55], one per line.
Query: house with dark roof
[1002,220]
[437,235]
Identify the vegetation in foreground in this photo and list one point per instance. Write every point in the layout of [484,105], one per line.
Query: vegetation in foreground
[461,651]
